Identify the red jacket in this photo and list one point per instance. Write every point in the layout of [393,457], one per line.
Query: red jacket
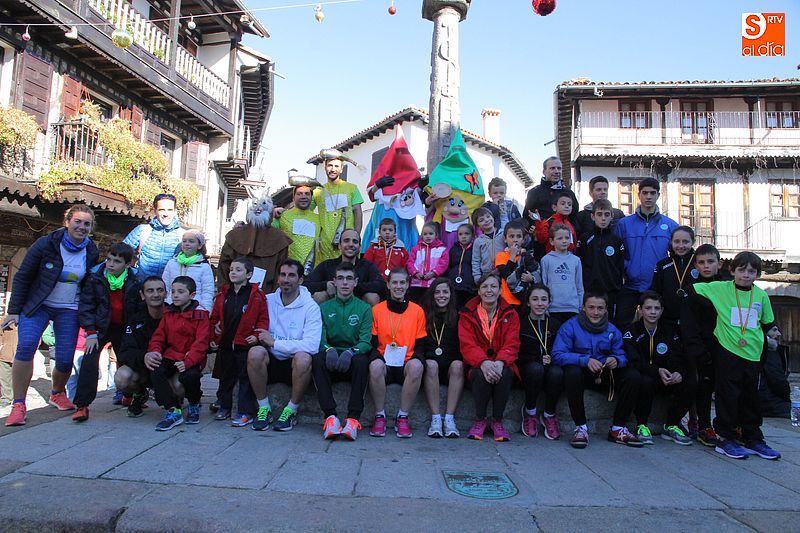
[474,343]
[183,335]
[376,254]
[255,315]
[543,231]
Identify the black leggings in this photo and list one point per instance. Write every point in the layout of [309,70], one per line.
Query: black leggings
[498,392]
[534,375]
[682,396]
[626,390]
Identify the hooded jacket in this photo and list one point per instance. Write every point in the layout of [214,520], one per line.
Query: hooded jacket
[254,315]
[505,341]
[602,256]
[183,335]
[543,231]
[575,346]
[202,275]
[94,309]
[426,258]
[40,270]
[667,349]
[646,241]
[296,327]
[376,254]
[156,243]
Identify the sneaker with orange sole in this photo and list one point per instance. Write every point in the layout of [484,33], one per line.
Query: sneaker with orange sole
[81,414]
[60,401]
[17,415]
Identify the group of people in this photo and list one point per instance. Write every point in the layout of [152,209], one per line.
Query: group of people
[551,299]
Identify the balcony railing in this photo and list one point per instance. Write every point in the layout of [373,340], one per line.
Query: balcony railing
[76,142]
[147,35]
[732,128]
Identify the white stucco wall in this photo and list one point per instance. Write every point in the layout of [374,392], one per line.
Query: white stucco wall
[216,57]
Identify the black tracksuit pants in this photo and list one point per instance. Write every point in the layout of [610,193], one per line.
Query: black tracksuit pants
[537,377]
[234,370]
[736,397]
[626,390]
[89,373]
[161,379]
[682,396]
[358,375]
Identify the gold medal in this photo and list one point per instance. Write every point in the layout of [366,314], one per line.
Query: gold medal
[438,351]
[393,345]
[742,343]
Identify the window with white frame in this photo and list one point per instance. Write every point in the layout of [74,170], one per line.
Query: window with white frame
[635,115]
[784,200]
[782,114]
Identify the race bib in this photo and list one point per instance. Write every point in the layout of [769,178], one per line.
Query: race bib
[738,314]
[258,276]
[303,227]
[395,355]
[334,202]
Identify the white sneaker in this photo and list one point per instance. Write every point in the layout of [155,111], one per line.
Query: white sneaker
[435,430]
[332,428]
[450,429]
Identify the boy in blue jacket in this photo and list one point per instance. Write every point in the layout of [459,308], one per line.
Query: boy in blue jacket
[589,349]
[646,235]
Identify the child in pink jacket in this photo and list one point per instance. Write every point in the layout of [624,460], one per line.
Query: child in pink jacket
[428,260]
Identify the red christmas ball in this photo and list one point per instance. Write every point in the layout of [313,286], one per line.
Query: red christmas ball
[543,7]
[392,10]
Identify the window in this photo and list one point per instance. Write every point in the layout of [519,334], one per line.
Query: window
[782,114]
[168,148]
[697,122]
[784,200]
[696,205]
[628,195]
[377,157]
[635,114]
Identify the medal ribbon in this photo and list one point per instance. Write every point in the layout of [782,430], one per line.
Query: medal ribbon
[542,341]
[681,277]
[394,329]
[438,335]
[652,336]
[743,323]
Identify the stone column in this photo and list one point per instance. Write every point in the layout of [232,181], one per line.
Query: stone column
[445,115]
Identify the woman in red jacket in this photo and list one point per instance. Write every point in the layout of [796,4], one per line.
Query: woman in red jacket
[488,327]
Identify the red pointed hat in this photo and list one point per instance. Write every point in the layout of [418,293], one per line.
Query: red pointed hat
[399,164]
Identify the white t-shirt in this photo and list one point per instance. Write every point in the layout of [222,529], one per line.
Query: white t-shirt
[66,293]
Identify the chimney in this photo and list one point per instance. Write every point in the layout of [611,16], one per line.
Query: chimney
[491,124]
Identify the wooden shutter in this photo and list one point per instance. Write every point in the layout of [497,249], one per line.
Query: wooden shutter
[71,98]
[125,113]
[34,94]
[153,135]
[195,162]
[137,119]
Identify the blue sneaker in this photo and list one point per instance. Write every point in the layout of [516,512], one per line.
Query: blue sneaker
[241,420]
[172,417]
[193,416]
[761,449]
[117,398]
[731,449]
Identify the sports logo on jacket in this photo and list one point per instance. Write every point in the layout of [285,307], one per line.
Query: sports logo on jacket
[353,320]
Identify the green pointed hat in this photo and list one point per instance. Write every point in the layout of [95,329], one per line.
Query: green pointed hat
[458,170]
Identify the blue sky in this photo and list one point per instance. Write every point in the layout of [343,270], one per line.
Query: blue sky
[362,64]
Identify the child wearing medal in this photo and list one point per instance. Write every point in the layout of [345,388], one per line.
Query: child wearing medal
[744,313]
[386,251]
[443,363]
[674,274]
[537,331]
[428,259]
[460,271]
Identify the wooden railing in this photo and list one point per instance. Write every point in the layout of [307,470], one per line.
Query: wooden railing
[150,37]
[76,142]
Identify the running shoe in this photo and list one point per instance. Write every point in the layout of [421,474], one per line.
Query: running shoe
[623,436]
[580,439]
[530,424]
[402,427]
[287,420]
[214,407]
[60,401]
[172,417]
[17,415]
[707,437]
[730,449]
[550,424]
[435,431]
[500,433]
[136,406]
[477,430]
[351,428]
[193,414]
[117,398]
[241,420]
[81,414]
[761,449]
[450,429]
[222,414]
[263,419]
[378,427]
[332,428]
[644,435]
[676,434]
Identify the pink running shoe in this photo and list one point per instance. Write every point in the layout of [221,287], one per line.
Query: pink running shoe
[500,433]
[550,424]
[477,430]
[530,425]
[61,402]
[17,415]
[378,427]
[403,427]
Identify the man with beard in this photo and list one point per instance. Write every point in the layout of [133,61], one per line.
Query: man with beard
[258,241]
[300,222]
[338,204]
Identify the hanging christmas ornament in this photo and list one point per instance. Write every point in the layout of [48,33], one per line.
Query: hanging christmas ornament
[318,14]
[392,9]
[122,38]
[72,33]
[26,36]
[191,24]
[543,7]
